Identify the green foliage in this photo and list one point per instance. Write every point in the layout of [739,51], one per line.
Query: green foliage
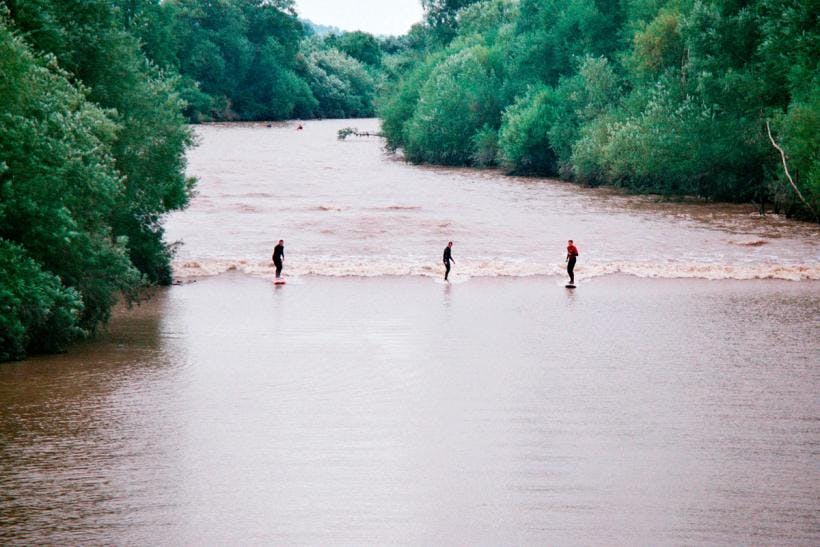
[524,141]
[675,145]
[458,100]
[668,96]
[658,45]
[360,45]
[441,16]
[552,34]
[580,99]
[240,53]
[37,313]
[538,131]
[254,59]
[799,127]
[486,19]
[89,40]
[485,146]
[59,188]
[340,84]
[397,107]
[92,154]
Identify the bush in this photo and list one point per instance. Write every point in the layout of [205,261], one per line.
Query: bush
[36,312]
[398,107]
[799,129]
[485,147]
[524,142]
[655,96]
[690,149]
[359,45]
[59,191]
[341,85]
[457,100]
[149,135]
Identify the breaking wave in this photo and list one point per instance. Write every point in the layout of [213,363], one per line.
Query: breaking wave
[369,267]
[748,242]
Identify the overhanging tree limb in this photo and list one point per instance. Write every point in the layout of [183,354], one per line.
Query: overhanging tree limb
[786,170]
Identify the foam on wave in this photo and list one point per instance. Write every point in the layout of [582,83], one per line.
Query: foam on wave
[367,267]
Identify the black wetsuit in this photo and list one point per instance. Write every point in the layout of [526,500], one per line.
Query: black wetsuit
[447,258]
[278,255]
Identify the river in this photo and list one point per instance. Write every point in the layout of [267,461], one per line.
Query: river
[670,399]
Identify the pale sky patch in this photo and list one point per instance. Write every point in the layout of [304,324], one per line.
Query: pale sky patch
[373,16]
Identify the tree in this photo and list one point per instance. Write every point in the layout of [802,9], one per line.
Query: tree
[341,84]
[61,264]
[456,102]
[360,45]
[667,96]
[441,16]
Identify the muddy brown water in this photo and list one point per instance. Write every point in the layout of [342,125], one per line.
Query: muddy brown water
[383,406]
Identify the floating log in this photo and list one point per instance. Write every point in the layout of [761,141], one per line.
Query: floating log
[347,131]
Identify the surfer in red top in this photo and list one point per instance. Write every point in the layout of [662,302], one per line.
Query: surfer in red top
[572,254]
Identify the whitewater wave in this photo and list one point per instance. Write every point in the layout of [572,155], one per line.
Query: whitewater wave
[748,242]
[369,267]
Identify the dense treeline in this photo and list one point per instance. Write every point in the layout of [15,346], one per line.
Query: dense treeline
[92,144]
[666,96]
[255,60]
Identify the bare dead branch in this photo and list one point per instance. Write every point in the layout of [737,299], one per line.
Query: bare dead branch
[786,170]
[347,131]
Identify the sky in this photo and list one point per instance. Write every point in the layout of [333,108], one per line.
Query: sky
[373,16]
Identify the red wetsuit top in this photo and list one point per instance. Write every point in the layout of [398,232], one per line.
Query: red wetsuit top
[572,251]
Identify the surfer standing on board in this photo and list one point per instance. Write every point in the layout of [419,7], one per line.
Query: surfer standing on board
[278,257]
[446,259]
[572,254]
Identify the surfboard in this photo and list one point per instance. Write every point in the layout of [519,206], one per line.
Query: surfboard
[570,286]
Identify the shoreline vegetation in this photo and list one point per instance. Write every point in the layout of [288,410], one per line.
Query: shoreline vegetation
[255,60]
[717,100]
[92,155]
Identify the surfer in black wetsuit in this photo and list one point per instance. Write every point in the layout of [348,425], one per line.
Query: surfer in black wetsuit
[278,257]
[572,255]
[447,258]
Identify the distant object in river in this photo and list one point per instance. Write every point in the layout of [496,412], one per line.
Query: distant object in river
[347,131]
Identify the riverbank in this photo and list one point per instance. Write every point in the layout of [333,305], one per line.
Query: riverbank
[396,409]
